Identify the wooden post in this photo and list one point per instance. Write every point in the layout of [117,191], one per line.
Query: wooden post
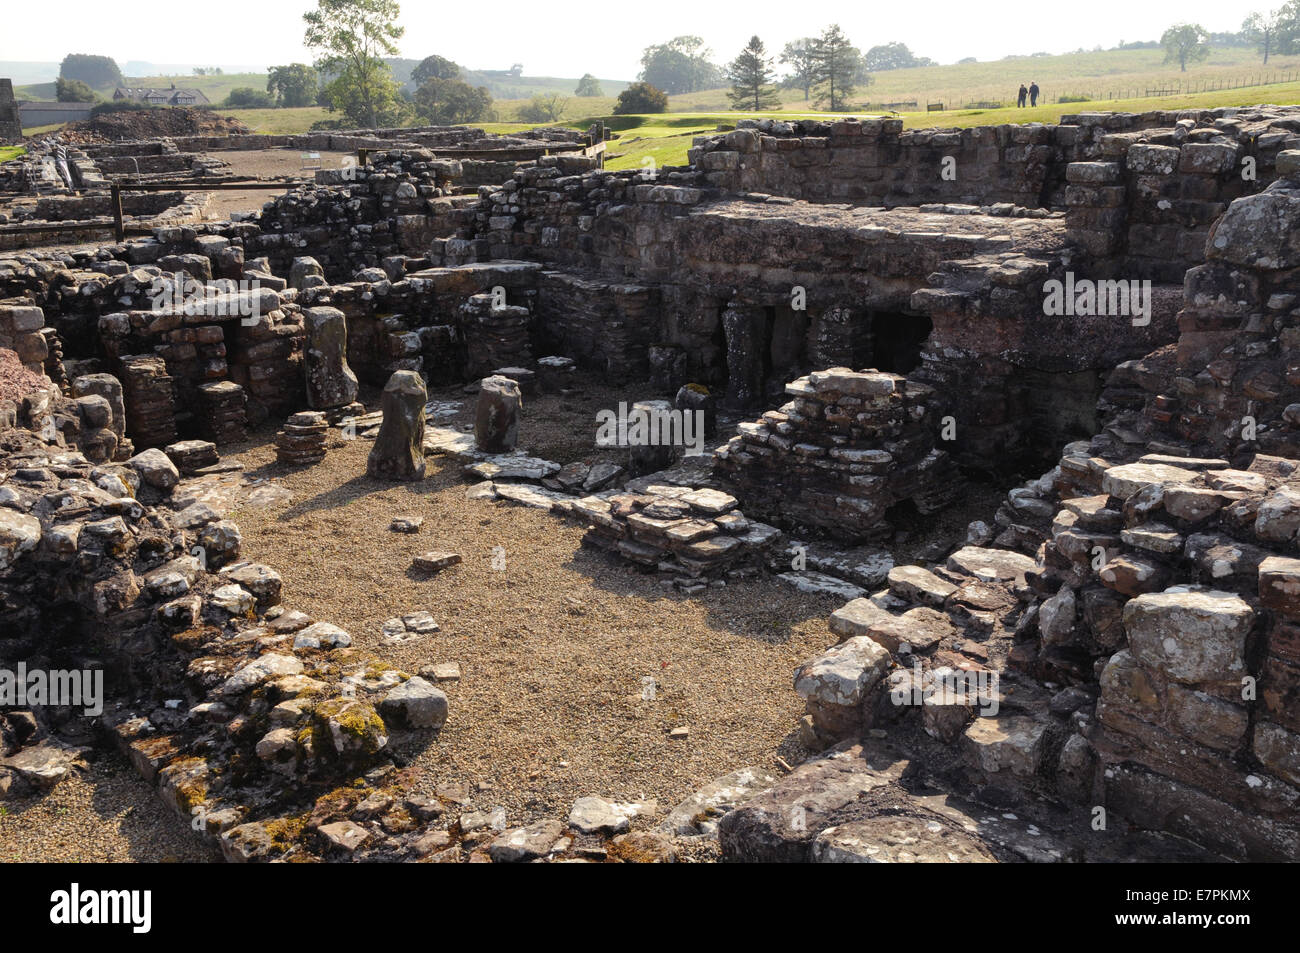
[115,199]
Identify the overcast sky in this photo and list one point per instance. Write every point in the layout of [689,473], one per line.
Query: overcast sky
[568,39]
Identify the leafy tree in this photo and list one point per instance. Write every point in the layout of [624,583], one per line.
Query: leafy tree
[246,97]
[641,98]
[680,66]
[73,91]
[293,85]
[1277,31]
[370,99]
[434,67]
[751,78]
[351,36]
[967,59]
[1185,42]
[588,86]
[889,56]
[800,56]
[449,102]
[1261,29]
[544,107]
[1287,38]
[95,71]
[836,62]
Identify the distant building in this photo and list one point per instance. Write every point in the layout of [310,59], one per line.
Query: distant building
[160,97]
[34,113]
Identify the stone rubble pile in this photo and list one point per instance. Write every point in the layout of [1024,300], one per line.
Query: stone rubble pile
[204,668]
[302,439]
[150,405]
[223,417]
[496,336]
[694,537]
[191,456]
[850,445]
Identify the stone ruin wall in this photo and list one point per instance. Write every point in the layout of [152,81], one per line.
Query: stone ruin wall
[1173,172]
[669,280]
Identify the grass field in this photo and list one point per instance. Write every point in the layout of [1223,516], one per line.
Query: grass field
[8,153]
[1107,77]
[1125,74]
[280,122]
[666,137]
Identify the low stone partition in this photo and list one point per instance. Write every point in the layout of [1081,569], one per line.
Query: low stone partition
[694,537]
[850,445]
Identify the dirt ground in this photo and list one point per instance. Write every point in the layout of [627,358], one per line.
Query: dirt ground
[574,666]
[266,163]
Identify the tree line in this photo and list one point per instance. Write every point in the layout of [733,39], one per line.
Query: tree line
[355,42]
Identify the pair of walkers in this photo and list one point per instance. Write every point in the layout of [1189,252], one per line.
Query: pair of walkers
[1031,93]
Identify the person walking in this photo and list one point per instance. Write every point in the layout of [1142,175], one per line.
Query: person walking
[1033,94]
[1020,99]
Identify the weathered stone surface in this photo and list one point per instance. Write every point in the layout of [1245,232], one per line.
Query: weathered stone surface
[898,839]
[699,813]
[416,703]
[916,630]
[496,415]
[856,618]
[844,673]
[330,381]
[19,534]
[594,815]
[1191,636]
[1279,585]
[526,843]
[398,453]
[345,835]
[1013,743]
[1000,564]
[919,585]
[1123,481]
[155,469]
[1279,750]
[780,824]
[434,561]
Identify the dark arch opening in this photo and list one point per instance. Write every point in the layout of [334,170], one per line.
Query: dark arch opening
[897,339]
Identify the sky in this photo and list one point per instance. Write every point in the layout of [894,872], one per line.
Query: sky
[569,39]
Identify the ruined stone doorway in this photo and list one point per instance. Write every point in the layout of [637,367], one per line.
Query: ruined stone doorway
[897,339]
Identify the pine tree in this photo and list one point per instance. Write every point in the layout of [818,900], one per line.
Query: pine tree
[751,77]
[836,61]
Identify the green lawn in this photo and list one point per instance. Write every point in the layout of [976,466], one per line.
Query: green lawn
[280,122]
[666,137]
[8,153]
